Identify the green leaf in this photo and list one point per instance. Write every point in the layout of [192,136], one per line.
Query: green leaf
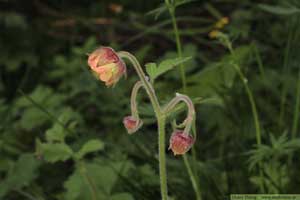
[122,196]
[151,69]
[102,177]
[166,65]
[89,147]
[55,134]
[214,77]
[163,8]
[278,10]
[55,152]
[24,170]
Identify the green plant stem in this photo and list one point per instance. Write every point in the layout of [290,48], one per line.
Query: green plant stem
[183,79]
[296,110]
[255,116]
[161,120]
[135,89]
[285,71]
[259,62]
[162,157]
[192,177]
[178,45]
[253,108]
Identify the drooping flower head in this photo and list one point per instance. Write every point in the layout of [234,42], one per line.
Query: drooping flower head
[107,65]
[180,142]
[132,124]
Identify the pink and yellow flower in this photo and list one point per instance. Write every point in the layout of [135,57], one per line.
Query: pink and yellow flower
[107,65]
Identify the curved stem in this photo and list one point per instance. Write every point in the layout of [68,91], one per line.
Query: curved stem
[162,157]
[135,89]
[191,110]
[149,89]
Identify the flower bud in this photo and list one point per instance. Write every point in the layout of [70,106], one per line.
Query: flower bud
[107,65]
[180,142]
[132,124]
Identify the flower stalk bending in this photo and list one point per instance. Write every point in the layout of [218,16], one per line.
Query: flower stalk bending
[109,67]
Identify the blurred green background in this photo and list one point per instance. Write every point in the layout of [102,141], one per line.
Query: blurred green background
[61,131]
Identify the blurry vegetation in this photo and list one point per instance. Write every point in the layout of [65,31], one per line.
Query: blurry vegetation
[61,135]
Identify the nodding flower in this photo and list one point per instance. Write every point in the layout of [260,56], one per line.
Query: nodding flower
[107,65]
[132,124]
[180,142]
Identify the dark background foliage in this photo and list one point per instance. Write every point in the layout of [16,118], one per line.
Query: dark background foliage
[61,132]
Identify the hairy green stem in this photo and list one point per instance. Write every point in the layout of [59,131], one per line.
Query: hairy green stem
[191,110]
[135,89]
[161,120]
[149,89]
[162,157]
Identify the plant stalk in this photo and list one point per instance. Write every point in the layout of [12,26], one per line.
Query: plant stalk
[296,111]
[256,120]
[192,177]
[147,85]
[184,85]
[178,45]
[162,157]
[161,120]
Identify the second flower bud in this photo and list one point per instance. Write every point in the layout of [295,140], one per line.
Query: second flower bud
[132,124]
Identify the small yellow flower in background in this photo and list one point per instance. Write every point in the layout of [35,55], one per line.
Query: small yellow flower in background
[219,25]
[222,22]
[213,34]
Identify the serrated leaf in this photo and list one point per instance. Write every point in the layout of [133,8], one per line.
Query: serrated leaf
[216,76]
[21,174]
[151,69]
[55,134]
[89,147]
[278,10]
[168,64]
[102,176]
[55,152]
[154,71]
[157,11]
[163,8]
